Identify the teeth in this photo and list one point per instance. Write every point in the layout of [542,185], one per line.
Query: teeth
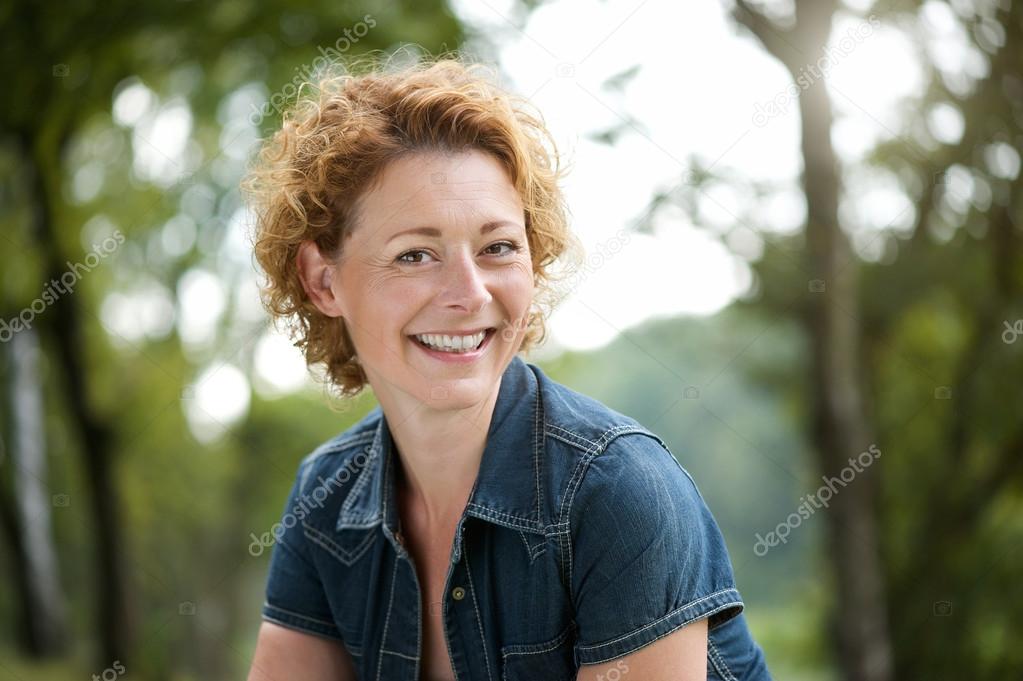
[452,343]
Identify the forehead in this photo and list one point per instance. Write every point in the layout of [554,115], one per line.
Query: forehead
[435,184]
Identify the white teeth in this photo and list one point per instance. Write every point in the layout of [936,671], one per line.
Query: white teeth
[452,343]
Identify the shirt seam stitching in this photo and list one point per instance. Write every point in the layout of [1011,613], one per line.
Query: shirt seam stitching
[671,614]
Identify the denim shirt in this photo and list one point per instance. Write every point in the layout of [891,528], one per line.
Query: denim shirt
[582,541]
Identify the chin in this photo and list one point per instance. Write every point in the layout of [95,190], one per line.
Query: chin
[457,394]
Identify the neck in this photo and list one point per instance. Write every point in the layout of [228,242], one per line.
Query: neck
[440,454]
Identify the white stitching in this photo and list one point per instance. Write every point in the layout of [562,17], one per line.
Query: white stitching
[324,541]
[485,510]
[669,615]
[327,448]
[479,623]
[300,627]
[387,622]
[396,653]
[362,481]
[573,486]
[575,481]
[296,614]
[538,443]
[719,661]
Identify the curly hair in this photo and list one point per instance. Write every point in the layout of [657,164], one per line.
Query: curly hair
[305,181]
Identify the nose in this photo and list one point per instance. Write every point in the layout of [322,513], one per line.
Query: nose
[465,285]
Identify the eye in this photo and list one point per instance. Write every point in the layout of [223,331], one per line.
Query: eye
[417,252]
[414,257]
[513,247]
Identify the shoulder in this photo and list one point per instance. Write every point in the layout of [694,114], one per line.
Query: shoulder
[603,452]
[580,421]
[637,471]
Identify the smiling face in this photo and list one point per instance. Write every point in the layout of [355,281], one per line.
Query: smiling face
[439,249]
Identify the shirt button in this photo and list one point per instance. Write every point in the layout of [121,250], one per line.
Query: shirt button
[458,593]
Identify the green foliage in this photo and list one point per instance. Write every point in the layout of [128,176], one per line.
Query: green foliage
[942,386]
[185,507]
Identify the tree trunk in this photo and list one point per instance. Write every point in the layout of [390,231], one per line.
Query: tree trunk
[840,430]
[64,325]
[45,616]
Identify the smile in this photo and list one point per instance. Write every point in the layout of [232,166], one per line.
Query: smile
[469,345]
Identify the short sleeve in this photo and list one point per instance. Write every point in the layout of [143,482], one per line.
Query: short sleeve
[295,597]
[647,556]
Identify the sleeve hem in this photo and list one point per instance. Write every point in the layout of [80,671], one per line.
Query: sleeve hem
[725,604]
[298,622]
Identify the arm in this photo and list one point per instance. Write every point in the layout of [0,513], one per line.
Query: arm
[284,654]
[298,639]
[679,656]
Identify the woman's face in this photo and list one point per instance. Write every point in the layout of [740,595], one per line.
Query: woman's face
[439,249]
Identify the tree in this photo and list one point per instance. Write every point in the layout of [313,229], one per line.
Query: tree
[840,427]
[934,339]
[70,65]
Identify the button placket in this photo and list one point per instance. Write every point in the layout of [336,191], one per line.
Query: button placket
[458,592]
[470,624]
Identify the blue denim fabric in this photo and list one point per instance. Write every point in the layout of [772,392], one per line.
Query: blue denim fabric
[583,540]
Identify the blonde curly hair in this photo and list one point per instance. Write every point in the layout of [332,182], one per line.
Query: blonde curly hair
[306,179]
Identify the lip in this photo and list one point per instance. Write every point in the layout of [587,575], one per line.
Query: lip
[460,357]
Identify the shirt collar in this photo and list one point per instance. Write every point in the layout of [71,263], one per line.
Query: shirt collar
[508,488]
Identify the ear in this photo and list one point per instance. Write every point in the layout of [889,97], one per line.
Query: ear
[317,274]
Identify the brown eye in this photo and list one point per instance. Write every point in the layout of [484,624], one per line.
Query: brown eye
[512,246]
[417,253]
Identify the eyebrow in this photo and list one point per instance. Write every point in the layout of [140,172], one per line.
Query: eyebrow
[434,232]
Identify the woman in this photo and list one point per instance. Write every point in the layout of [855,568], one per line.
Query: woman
[484,521]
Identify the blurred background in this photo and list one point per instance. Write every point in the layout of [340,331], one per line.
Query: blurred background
[804,271]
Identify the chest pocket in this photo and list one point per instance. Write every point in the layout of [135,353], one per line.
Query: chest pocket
[552,660]
[346,547]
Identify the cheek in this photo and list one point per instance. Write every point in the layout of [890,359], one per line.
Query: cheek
[386,295]
[516,291]
[520,280]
